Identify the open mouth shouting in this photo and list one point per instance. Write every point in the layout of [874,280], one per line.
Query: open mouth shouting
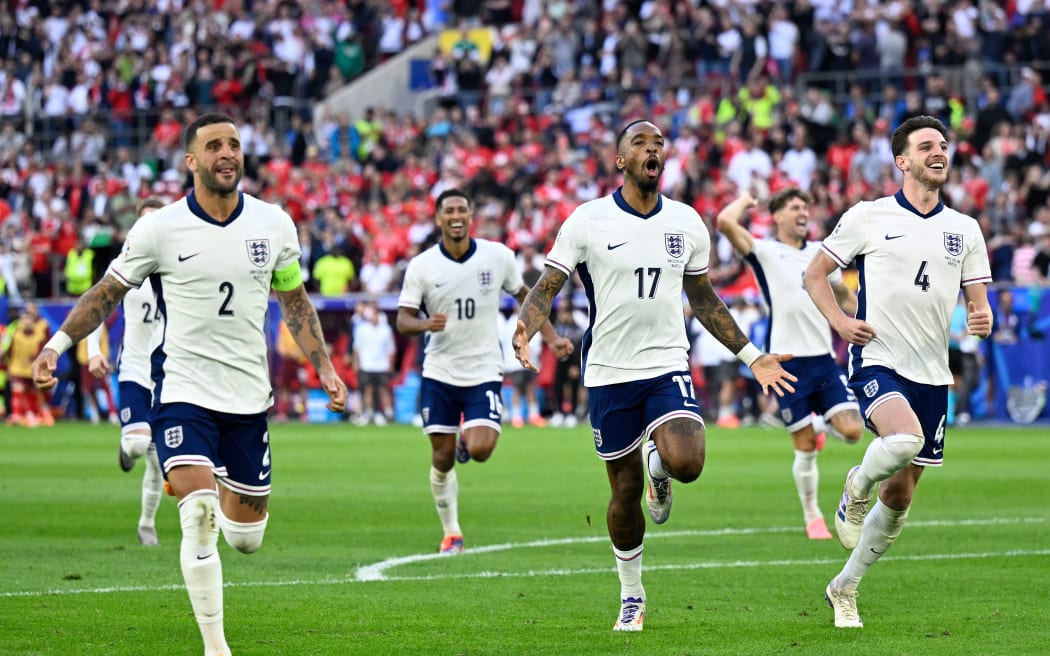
[652,166]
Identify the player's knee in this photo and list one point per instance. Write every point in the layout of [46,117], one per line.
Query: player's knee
[903,446]
[687,470]
[850,430]
[136,443]
[198,515]
[245,537]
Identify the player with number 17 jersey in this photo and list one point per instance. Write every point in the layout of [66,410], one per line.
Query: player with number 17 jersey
[631,266]
[211,278]
[891,243]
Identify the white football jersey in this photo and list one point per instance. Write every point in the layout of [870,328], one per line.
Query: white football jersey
[911,267]
[213,288]
[467,352]
[143,329]
[796,326]
[632,268]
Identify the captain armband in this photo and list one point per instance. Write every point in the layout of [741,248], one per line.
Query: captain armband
[287,278]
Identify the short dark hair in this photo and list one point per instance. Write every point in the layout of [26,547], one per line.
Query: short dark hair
[899,140]
[151,203]
[623,132]
[785,196]
[210,118]
[451,193]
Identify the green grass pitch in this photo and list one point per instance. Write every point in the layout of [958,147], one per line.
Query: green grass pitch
[348,565]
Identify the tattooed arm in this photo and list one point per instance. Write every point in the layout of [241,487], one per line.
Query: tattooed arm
[90,311]
[714,315]
[301,317]
[561,347]
[535,311]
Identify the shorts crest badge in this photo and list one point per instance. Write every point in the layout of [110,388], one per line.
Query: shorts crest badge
[173,437]
[259,251]
[871,388]
[953,243]
[675,244]
[597,437]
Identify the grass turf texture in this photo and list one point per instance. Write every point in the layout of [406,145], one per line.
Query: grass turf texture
[730,573]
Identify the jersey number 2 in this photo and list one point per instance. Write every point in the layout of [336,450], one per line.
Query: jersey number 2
[224,309]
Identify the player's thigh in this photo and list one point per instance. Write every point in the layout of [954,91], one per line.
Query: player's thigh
[885,402]
[135,402]
[482,414]
[244,451]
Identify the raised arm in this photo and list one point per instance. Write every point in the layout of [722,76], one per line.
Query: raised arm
[301,318]
[535,312]
[88,314]
[715,316]
[816,282]
[728,223]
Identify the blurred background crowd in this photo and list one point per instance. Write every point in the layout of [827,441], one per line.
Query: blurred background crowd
[526,97]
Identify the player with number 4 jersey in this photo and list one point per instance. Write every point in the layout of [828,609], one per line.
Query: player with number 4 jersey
[913,255]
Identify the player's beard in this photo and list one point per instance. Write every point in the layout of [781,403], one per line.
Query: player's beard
[930,180]
[211,181]
[646,184]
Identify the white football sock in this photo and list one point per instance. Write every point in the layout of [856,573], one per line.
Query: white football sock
[819,425]
[201,567]
[135,444]
[629,567]
[881,528]
[884,457]
[152,487]
[655,464]
[445,488]
[807,477]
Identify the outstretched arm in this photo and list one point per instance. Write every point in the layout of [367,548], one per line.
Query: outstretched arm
[561,347]
[715,316]
[301,318]
[90,311]
[535,311]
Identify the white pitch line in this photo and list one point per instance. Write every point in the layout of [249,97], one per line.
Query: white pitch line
[376,572]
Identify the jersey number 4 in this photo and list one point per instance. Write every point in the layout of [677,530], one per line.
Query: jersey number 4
[922,281]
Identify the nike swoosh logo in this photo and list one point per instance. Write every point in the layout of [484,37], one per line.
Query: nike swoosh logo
[877,553]
[614,247]
[206,557]
[439,284]
[938,452]
[690,404]
[493,415]
[889,237]
[183,258]
[263,475]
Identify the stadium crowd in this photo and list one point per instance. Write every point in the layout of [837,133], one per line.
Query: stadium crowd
[752,95]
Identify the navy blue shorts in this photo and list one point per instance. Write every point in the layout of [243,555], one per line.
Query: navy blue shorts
[875,385]
[444,405]
[821,388]
[236,447]
[135,402]
[624,414]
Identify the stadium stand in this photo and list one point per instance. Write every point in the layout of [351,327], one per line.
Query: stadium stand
[522,99]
